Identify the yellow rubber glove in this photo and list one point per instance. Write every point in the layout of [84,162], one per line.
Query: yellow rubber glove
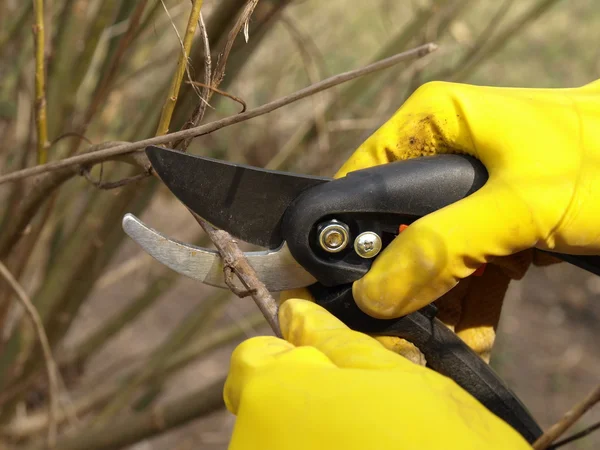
[328,387]
[541,148]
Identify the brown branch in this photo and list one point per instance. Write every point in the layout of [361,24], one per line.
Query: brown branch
[123,149]
[182,64]
[576,436]
[40,83]
[234,260]
[556,430]
[53,387]
[240,23]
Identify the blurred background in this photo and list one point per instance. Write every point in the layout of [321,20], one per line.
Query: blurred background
[143,352]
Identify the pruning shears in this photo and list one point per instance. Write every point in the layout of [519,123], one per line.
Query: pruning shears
[323,234]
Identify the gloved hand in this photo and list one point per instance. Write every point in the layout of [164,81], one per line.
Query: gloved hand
[541,148]
[328,387]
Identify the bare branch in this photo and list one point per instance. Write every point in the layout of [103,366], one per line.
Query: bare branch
[94,157]
[53,386]
[234,260]
[576,436]
[241,22]
[572,416]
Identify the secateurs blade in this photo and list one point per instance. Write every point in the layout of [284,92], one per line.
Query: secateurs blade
[324,234]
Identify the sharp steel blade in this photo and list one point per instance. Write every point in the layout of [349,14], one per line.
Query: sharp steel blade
[246,201]
[277,269]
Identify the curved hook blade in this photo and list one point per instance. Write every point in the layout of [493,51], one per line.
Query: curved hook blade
[277,269]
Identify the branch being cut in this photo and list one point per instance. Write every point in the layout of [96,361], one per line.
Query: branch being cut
[95,157]
[572,416]
[235,261]
[53,387]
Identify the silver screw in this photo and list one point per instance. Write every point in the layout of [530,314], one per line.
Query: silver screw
[367,244]
[334,236]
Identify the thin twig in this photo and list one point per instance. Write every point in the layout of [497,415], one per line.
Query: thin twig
[94,157]
[556,430]
[53,386]
[40,83]
[223,93]
[576,436]
[223,57]
[234,260]
[182,64]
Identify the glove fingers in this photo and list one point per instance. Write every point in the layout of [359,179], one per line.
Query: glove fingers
[258,353]
[306,323]
[395,344]
[428,258]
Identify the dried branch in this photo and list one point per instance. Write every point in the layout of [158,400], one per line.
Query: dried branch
[53,387]
[572,416]
[576,436]
[40,83]
[182,64]
[235,261]
[94,157]
[240,23]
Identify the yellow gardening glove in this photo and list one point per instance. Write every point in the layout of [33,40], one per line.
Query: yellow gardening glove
[541,148]
[328,387]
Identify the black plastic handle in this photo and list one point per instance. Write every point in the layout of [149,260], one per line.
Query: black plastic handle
[379,199]
[444,351]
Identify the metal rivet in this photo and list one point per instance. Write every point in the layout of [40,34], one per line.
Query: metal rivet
[333,236]
[367,245]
